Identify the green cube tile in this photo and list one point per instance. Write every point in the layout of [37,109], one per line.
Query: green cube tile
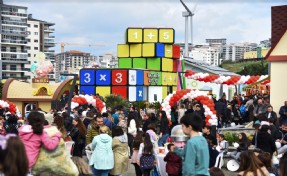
[139,63]
[154,63]
[125,63]
[155,78]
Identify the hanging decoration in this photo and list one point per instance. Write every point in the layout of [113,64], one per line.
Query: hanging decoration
[88,100]
[201,96]
[12,107]
[229,80]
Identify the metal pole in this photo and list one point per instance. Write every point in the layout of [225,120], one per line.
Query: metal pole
[71,91]
[191,31]
[186,37]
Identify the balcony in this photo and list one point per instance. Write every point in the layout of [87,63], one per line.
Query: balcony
[14,51]
[17,77]
[14,60]
[15,32]
[14,22]
[49,51]
[49,30]
[24,15]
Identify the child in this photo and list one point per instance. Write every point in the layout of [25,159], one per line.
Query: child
[33,137]
[195,152]
[173,162]
[136,145]
[123,123]
[13,158]
[223,144]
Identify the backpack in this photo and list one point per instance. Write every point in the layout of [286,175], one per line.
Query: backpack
[147,161]
[242,110]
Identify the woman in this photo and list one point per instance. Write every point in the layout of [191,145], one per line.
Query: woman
[250,165]
[243,146]
[133,125]
[78,135]
[136,145]
[13,157]
[164,129]
[102,159]
[59,123]
[282,165]
[121,152]
[33,137]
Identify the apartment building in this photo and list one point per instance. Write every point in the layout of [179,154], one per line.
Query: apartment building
[14,55]
[71,62]
[206,53]
[221,41]
[40,39]
[235,51]
[108,61]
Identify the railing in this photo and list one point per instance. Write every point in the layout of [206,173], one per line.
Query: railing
[15,32]
[14,13]
[49,29]
[13,41]
[14,22]
[15,51]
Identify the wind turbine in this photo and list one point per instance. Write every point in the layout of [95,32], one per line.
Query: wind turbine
[187,14]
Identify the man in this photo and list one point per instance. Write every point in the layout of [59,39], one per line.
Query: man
[283,113]
[281,136]
[94,129]
[259,109]
[116,116]
[207,134]
[270,114]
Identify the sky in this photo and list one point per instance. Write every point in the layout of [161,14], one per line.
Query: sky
[105,21]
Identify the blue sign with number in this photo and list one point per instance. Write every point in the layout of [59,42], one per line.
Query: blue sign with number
[87,90]
[140,93]
[103,77]
[87,77]
[140,77]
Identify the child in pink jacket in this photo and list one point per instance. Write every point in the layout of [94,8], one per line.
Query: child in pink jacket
[33,136]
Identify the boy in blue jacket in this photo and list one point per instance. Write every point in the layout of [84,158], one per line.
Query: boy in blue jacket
[195,154]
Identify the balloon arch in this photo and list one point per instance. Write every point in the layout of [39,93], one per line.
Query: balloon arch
[88,100]
[12,107]
[201,96]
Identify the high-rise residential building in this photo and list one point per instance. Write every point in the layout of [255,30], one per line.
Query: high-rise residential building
[235,51]
[40,39]
[72,61]
[221,41]
[14,56]
[108,61]
[206,53]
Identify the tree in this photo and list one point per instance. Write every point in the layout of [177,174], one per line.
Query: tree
[255,69]
[115,100]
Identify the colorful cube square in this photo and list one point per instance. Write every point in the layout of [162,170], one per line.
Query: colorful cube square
[155,93]
[176,51]
[132,77]
[148,50]
[166,64]
[164,91]
[154,63]
[87,89]
[87,77]
[155,78]
[150,35]
[135,50]
[168,51]
[134,35]
[103,90]
[103,77]
[139,63]
[159,50]
[140,93]
[166,35]
[132,93]
[120,90]
[123,50]
[140,77]
[175,65]
[119,77]
[164,78]
[174,78]
[146,78]
[125,63]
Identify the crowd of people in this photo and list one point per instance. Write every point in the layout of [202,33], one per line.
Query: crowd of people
[115,139]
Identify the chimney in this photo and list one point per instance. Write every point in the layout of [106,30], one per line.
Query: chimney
[279,23]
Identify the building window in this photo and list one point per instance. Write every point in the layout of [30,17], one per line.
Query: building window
[28,40]
[13,75]
[35,48]
[12,49]
[28,25]
[12,67]
[36,26]
[29,55]
[3,67]
[3,48]
[35,33]
[36,41]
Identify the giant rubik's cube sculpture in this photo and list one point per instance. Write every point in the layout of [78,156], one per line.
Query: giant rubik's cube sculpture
[147,67]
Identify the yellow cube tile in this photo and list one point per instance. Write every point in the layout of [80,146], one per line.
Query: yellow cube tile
[170,65]
[169,79]
[168,51]
[164,91]
[123,50]
[166,35]
[174,79]
[134,35]
[103,90]
[135,50]
[164,78]
[150,35]
[148,50]
[174,88]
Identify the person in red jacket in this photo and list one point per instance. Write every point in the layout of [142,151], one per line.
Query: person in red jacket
[173,162]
